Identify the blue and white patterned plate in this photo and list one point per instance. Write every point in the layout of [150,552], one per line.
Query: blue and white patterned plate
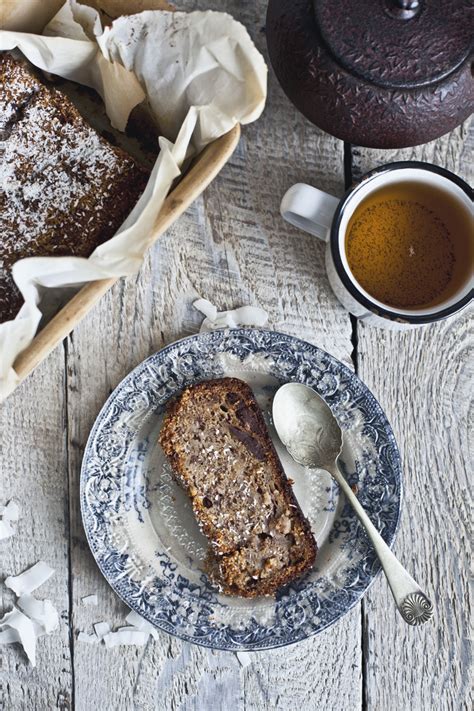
[140,525]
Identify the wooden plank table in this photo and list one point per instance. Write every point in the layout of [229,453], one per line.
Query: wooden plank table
[233,248]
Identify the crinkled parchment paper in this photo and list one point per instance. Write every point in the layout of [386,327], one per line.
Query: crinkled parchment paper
[201,74]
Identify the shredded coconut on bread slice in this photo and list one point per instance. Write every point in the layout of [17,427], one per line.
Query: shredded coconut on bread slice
[216,439]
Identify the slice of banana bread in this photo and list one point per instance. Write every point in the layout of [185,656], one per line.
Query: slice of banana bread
[215,437]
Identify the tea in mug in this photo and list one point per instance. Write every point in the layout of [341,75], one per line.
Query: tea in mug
[410,245]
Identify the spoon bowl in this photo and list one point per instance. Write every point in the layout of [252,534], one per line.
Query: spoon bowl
[306,426]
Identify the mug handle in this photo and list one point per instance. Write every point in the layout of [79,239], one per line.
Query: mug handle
[309,209]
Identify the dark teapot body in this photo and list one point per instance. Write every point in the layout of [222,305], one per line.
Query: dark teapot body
[364,73]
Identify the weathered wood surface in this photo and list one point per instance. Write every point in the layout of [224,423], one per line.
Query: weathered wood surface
[33,465]
[423,378]
[233,248]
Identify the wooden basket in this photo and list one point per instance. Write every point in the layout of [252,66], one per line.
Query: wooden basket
[205,168]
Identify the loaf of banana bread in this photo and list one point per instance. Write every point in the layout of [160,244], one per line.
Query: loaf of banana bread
[216,439]
[63,188]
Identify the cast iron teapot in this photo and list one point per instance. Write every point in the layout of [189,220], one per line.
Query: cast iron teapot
[378,73]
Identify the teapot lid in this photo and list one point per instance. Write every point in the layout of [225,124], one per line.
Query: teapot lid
[396,43]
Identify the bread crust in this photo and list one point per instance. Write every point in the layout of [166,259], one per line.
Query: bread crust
[64,189]
[225,559]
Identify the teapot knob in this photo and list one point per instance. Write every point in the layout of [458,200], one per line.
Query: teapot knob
[403,9]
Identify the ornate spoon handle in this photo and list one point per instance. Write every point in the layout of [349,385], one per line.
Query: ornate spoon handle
[412,603]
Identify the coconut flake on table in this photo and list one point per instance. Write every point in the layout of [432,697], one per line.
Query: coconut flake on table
[10,511]
[8,514]
[136,620]
[137,632]
[35,618]
[90,600]
[19,625]
[42,612]
[101,629]
[30,579]
[244,658]
[9,636]
[234,318]
[123,636]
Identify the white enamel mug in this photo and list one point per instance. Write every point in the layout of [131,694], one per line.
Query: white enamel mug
[327,218]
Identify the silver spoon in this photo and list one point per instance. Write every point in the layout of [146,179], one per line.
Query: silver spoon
[309,431]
